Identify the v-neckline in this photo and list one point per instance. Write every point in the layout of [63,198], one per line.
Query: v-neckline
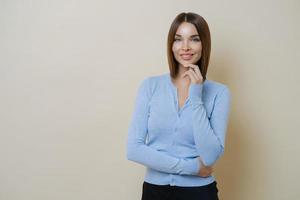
[175,89]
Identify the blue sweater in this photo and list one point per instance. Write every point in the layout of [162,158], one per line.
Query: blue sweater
[168,140]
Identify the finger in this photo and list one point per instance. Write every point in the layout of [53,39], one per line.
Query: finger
[209,168]
[197,76]
[184,74]
[196,69]
[188,73]
[193,75]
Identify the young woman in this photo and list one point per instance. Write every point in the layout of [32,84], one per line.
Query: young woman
[180,119]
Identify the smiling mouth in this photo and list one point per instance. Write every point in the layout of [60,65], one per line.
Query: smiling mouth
[186,56]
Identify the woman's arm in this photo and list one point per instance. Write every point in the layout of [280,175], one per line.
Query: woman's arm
[139,152]
[209,135]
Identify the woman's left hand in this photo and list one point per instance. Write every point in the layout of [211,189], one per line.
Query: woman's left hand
[194,74]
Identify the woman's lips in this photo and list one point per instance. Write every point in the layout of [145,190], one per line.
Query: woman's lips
[186,56]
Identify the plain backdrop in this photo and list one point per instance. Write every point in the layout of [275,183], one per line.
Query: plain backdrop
[69,73]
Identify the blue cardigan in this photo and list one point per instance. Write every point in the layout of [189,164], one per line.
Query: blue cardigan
[168,140]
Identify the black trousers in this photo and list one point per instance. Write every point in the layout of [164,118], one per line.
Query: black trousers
[167,192]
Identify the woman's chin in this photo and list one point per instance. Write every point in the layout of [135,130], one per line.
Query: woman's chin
[187,62]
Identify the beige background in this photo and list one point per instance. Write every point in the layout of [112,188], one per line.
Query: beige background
[69,72]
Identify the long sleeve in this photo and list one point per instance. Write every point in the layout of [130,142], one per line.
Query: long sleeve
[209,134]
[138,151]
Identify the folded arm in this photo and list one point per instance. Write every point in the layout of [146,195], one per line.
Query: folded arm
[138,151]
[209,134]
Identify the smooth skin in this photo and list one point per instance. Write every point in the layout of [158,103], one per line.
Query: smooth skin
[187,48]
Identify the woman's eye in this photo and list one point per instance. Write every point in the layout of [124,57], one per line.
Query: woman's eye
[176,39]
[196,39]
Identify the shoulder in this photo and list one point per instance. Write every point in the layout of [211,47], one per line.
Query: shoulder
[151,83]
[216,90]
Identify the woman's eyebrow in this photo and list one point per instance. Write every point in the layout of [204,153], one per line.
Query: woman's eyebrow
[190,36]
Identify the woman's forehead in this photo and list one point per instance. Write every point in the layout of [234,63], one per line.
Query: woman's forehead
[186,28]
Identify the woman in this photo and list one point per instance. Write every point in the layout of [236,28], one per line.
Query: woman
[180,119]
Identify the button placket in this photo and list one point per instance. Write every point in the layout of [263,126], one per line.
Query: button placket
[176,129]
[174,135]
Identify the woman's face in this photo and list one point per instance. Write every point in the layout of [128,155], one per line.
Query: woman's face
[187,45]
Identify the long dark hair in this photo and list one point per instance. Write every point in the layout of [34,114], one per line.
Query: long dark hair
[204,33]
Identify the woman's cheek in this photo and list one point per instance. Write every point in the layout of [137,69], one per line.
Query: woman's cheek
[175,50]
[175,47]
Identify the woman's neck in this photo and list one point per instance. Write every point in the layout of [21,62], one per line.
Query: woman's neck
[180,81]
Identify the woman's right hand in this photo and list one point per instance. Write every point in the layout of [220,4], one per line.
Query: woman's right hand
[204,171]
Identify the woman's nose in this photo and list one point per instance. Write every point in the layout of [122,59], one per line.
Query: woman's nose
[185,45]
